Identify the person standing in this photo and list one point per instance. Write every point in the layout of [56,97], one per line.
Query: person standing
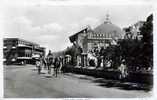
[49,64]
[56,66]
[38,65]
[61,64]
[49,61]
[44,62]
[123,70]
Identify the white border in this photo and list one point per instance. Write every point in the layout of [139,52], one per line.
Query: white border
[6,3]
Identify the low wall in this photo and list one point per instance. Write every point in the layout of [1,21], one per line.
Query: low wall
[146,78]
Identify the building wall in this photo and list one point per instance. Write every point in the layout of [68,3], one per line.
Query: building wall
[98,40]
[90,40]
[16,50]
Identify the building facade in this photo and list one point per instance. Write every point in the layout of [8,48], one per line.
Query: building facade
[101,36]
[20,51]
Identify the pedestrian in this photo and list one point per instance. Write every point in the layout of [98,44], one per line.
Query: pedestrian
[49,61]
[49,64]
[56,66]
[61,65]
[38,65]
[123,70]
[44,62]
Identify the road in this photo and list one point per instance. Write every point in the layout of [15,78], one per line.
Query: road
[24,82]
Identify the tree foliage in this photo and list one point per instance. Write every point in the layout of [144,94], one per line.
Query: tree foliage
[147,40]
[137,53]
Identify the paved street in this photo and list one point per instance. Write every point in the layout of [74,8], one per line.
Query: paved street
[24,82]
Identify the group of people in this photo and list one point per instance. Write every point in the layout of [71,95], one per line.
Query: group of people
[48,63]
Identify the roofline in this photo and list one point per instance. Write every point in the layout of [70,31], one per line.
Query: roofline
[72,37]
[79,32]
[20,39]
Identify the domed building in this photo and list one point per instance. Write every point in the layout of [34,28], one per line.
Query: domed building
[108,30]
[103,35]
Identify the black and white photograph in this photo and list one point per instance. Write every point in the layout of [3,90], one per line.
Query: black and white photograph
[80,50]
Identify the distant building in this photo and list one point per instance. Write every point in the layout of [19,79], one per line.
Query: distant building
[133,31]
[17,50]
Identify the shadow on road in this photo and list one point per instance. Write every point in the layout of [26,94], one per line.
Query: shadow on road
[108,83]
[122,85]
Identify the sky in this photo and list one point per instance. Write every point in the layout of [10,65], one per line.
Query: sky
[51,25]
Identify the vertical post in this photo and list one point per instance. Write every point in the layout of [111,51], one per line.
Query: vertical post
[78,60]
[67,59]
[102,62]
[84,59]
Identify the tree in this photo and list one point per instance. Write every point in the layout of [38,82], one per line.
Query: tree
[139,53]
[112,53]
[147,40]
[130,50]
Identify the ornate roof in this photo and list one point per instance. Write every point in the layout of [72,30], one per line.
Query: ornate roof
[109,29]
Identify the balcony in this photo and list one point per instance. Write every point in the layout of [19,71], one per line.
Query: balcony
[22,45]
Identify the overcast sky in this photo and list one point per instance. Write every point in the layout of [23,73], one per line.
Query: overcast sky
[51,25]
